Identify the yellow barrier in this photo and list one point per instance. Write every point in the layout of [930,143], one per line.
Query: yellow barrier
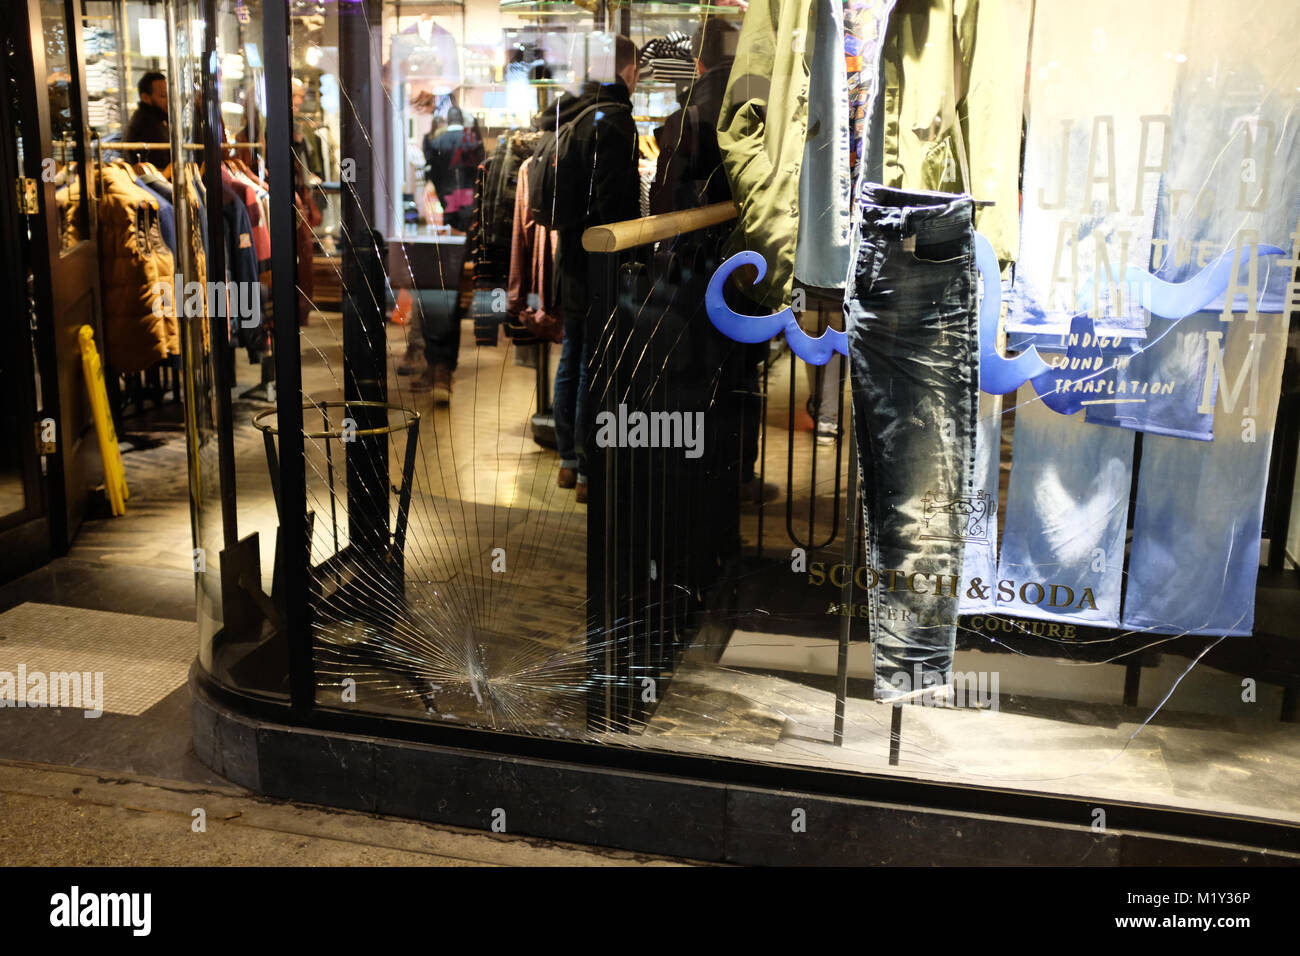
[114,472]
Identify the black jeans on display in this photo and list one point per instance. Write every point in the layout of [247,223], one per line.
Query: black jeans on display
[914,357]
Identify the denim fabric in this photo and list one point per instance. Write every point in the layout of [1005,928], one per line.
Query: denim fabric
[982,531]
[1243,192]
[1067,511]
[1200,505]
[1173,356]
[914,351]
[571,393]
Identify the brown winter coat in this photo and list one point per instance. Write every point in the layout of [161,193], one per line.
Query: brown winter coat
[139,330]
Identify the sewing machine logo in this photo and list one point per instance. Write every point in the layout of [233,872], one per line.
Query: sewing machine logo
[963,517]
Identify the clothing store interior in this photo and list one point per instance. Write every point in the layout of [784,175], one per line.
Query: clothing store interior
[898,387]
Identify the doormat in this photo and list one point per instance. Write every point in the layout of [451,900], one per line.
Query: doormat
[141,659]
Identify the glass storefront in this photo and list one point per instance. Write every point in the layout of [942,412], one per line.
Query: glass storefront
[887,388]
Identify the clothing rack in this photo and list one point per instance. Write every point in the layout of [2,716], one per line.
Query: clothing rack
[265,389]
[195,146]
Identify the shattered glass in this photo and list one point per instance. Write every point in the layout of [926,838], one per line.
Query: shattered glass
[688,607]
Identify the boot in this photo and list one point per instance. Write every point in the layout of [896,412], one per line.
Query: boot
[441,385]
[412,362]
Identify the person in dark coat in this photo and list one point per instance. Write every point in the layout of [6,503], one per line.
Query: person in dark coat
[608,140]
[148,124]
[452,158]
[690,170]
[690,174]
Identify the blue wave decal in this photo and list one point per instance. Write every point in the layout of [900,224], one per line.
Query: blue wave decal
[750,329]
[1178,300]
[1089,361]
[999,375]
[759,328]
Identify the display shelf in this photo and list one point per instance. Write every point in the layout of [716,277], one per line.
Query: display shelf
[556,8]
[661,9]
[679,9]
[415,7]
[538,84]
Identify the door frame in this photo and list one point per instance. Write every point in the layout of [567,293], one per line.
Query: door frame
[55,283]
[24,534]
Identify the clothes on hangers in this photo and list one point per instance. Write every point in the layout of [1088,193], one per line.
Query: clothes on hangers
[952,60]
[248,331]
[790,70]
[530,296]
[452,157]
[252,197]
[487,322]
[134,263]
[762,129]
[495,187]
[151,181]
[196,177]
[199,257]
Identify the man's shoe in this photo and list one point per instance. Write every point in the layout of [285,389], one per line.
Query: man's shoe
[753,492]
[412,362]
[424,382]
[441,385]
[580,493]
[568,477]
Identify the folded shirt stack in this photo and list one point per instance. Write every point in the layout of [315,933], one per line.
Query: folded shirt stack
[668,59]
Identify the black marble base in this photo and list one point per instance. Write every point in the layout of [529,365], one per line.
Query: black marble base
[651,812]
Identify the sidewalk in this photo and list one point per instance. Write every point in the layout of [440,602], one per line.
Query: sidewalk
[56,816]
[121,789]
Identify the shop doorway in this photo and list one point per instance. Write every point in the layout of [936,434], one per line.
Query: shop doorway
[51,460]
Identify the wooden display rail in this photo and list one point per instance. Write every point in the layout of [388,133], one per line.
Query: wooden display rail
[618,236]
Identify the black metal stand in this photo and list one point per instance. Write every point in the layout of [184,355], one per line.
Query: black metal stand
[850,559]
[811,544]
[895,733]
[543,422]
